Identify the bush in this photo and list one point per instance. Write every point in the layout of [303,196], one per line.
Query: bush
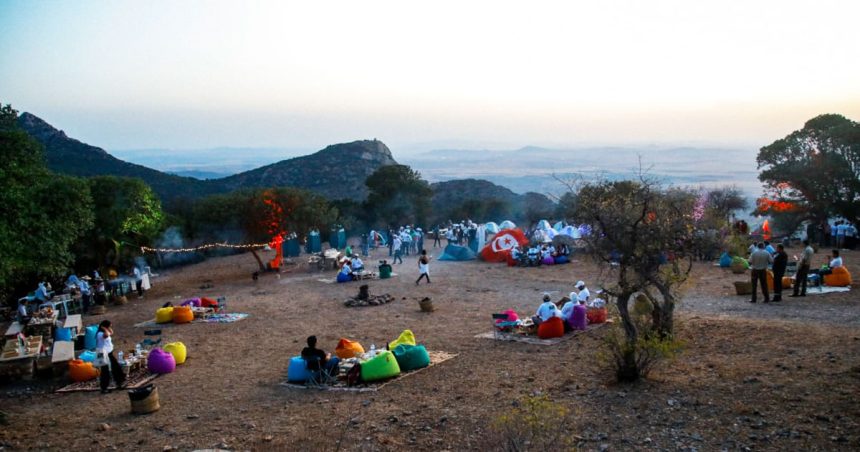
[629,361]
[537,423]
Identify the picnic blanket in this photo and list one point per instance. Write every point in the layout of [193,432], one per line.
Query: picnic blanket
[436,357]
[136,378]
[825,289]
[214,318]
[530,339]
[334,280]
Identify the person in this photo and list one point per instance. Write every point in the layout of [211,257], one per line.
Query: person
[759,261]
[109,365]
[42,292]
[138,281]
[420,241]
[567,310]
[326,362]
[357,264]
[841,228]
[836,262]
[348,250]
[584,293]
[769,248]
[23,315]
[803,270]
[546,310]
[828,230]
[850,236]
[391,236]
[423,267]
[436,239]
[346,271]
[384,270]
[397,245]
[86,293]
[780,262]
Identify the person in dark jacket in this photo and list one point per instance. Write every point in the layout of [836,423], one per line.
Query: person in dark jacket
[780,261]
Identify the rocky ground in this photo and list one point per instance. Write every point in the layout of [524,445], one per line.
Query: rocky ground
[765,377]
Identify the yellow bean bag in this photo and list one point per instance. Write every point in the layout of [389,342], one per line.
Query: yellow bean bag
[406,337]
[839,278]
[164,315]
[177,349]
[348,349]
[183,314]
[80,370]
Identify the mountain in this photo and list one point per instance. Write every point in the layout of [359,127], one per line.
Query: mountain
[336,172]
[470,197]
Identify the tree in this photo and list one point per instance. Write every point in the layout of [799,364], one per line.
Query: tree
[537,207]
[41,214]
[649,234]
[398,195]
[720,203]
[813,172]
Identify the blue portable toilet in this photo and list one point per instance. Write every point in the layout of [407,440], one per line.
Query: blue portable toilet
[291,247]
[341,238]
[314,244]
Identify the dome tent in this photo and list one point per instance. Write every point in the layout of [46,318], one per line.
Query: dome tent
[457,253]
[507,224]
[492,228]
[544,225]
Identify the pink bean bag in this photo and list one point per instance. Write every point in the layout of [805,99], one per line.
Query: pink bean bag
[160,362]
[548,261]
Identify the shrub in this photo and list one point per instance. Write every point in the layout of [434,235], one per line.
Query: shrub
[631,361]
[536,423]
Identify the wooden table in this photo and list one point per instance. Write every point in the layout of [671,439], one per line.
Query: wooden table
[74,321]
[63,351]
[14,329]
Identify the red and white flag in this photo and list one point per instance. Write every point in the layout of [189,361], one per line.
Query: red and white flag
[499,249]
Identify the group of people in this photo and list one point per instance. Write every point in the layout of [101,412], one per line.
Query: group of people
[764,255]
[405,241]
[841,234]
[536,254]
[549,309]
[350,268]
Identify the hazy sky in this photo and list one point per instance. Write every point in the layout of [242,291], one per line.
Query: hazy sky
[418,75]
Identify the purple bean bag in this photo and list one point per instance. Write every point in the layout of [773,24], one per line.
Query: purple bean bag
[578,320]
[193,302]
[548,261]
[160,362]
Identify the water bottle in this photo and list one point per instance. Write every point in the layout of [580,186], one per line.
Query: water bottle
[119,358]
[372,350]
[137,350]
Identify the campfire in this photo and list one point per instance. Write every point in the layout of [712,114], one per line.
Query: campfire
[365,299]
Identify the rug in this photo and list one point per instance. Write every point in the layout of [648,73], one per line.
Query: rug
[436,357]
[537,341]
[136,379]
[214,318]
[824,289]
[334,280]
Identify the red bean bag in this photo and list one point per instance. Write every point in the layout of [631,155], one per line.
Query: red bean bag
[183,314]
[839,278]
[209,303]
[596,315]
[80,370]
[554,327]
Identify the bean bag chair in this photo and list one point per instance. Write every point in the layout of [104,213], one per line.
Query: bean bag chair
[554,327]
[512,317]
[209,303]
[164,315]
[178,350]
[380,367]
[192,302]
[297,372]
[343,277]
[406,337]
[839,278]
[411,357]
[160,362]
[63,334]
[578,319]
[348,349]
[770,280]
[739,265]
[786,282]
[88,356]
[596,315]
[725,260]
[183,314]
[548,261]
[82,371]
[90,337]
[561,260]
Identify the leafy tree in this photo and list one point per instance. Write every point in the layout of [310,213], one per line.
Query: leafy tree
[478,210]
[537,207]
[649,233]
[41,214]
[813,172]
[397,195]
[722,202]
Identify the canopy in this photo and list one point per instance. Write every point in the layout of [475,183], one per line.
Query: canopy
[543,225]
[457,253]
[558,226]
[507,224]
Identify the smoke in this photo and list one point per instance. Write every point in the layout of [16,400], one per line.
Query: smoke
[172,238]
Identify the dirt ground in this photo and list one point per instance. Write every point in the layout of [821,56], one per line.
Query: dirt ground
[764,377]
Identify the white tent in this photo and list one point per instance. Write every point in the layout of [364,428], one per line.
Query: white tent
[507,224]
[492,228]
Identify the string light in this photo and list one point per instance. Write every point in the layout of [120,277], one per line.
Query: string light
[146,249]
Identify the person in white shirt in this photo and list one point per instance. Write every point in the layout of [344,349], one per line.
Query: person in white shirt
[567,309]
[357,264]
[546,311]
[584,294]
[138,281]
[109,365]
[836,262]
[398,243]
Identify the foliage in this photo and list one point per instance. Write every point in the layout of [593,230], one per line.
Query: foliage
[631,360]
[41,214]
[477,210]
[398,195]
[537,207]
[536,423]
[815,170]
[722,202]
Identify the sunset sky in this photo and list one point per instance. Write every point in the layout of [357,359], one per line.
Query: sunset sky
[419,75]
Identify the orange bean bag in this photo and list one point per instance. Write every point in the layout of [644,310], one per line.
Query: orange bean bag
[839,278]
[596,315]
[182,314]
[80,370]
[554,327]
[348,349]
[786,282]
[770,280]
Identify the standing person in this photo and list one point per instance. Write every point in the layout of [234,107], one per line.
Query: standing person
[759,260]
[437,241]
[780,261]
[840,234]
[420,239]
[827,232]
[850,236]
[109,364]
[423,267]
[138,281]
[803,270]
[390,242]
[396,244]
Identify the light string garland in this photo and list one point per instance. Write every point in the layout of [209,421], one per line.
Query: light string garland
[146,249]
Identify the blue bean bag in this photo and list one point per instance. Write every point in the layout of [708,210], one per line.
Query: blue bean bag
[297,372]
[725,260]
[88,356]
[561,260]
[90,337]
[63,334]
[343,277]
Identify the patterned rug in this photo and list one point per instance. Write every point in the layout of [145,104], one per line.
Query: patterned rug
[512,337]
[334,280]
[436,357]
[214,318]
[136,379]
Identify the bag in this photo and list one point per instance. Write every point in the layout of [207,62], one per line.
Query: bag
[101,360]
[353,375]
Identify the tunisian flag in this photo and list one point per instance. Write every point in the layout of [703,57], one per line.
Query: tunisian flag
[499,249]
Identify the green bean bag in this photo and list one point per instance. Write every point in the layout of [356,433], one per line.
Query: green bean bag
[383,366]
[411,357]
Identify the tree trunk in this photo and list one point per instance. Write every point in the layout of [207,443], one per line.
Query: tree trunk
[663,316]
[259,261]
[628,369]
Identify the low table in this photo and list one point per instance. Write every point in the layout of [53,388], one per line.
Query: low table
[74,321]
[63,351]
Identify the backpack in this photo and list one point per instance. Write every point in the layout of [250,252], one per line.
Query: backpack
[353,375]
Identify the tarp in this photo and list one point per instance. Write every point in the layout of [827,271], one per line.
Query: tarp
[457,253]
[507,224]
[500,247]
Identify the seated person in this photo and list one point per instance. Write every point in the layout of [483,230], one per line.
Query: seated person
[516,253]
[547,310]
[23,314]
[319,360]
[42,293]
[584,293]
[384,270]
[835,262]
[533,254]
[357,264]
[345,273]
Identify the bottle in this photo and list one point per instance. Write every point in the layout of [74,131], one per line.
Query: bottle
[372,350]
[137,350]
[119,358]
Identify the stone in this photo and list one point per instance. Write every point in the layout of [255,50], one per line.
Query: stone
[104,427]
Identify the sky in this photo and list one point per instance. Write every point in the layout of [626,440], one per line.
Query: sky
[424,75]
